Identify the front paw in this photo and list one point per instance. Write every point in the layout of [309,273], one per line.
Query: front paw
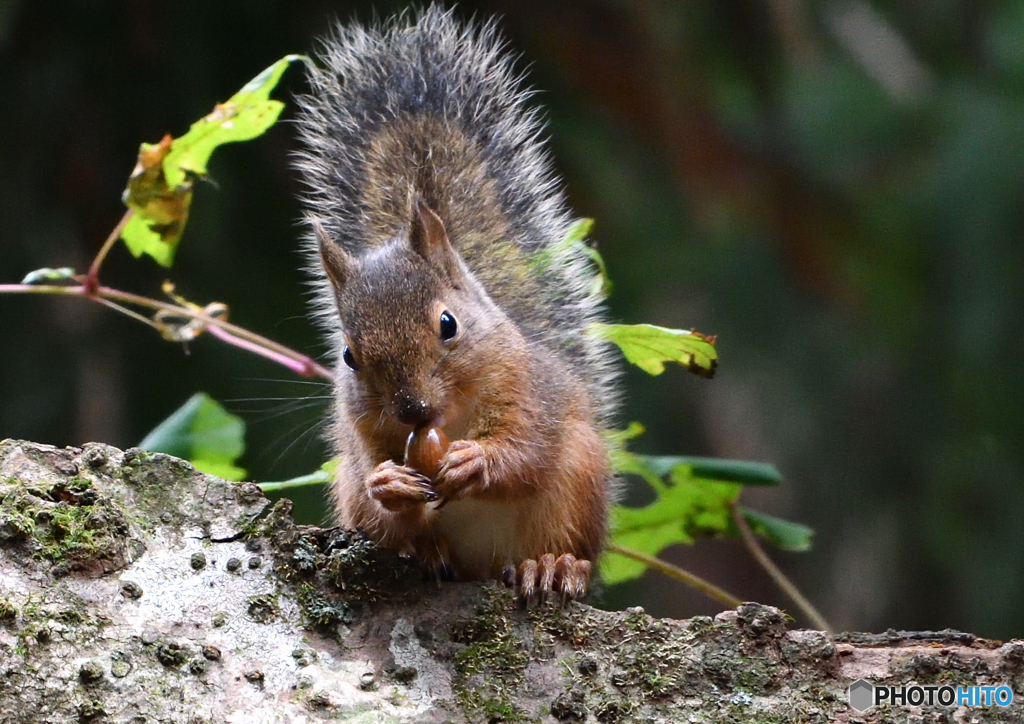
[398,488]
[464,466]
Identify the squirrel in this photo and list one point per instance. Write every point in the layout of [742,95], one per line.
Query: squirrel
[435,227]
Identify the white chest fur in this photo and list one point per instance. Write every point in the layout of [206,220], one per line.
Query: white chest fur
[479,533]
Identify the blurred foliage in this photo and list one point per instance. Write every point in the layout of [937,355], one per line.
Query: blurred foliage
[832,187]
[204,433]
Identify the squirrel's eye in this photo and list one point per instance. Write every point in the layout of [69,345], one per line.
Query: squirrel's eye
[349,359]
[449,327]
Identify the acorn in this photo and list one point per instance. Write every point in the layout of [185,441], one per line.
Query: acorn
[425,448]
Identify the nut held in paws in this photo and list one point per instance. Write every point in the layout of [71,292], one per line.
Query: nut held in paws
[425,449]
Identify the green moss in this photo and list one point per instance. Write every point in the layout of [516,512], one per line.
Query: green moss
[70,616]
[609,710]
[8,612]
[332,573]
[38,618]
[490,709]
[78,484]
[492,660]
[15,525]
[149,474]
[90,711]
[567,624]
[76,533]
[321,609]
[68,524]
[263,608]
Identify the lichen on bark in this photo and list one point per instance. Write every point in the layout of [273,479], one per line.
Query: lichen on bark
[135,588]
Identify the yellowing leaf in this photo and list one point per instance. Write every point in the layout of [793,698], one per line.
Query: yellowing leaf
[649,347]
[159,190]
[159,242]
[244,116]
[159,212]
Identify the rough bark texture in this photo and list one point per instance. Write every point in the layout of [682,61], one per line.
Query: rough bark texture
[136,589]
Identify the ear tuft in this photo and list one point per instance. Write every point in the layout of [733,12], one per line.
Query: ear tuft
[429,239]
[337,264]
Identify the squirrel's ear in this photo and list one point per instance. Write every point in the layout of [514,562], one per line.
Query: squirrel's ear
[430,240]
[337,263]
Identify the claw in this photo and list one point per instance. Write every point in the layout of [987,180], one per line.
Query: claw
[564,570]
[582,578]
[398,488]
[546,565]
[566,575]
[527,580]
[463,466]
[425,484]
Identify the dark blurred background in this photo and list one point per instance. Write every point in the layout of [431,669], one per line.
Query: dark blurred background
[833,188]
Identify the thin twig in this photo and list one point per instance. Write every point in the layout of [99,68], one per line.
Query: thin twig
[127,312]
[299,363]
[777,575]
[308,367]
[306,481]
[92,279]
[705,587]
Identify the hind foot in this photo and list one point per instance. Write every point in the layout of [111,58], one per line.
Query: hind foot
[566,575]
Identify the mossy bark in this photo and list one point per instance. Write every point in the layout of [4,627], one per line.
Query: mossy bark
[134,588]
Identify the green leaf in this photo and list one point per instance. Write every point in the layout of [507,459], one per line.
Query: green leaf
[159,190]
[744,472]
[693,496]
[620,459]
[781,533]
[48,276]
[578,231]
[619,438]
[218,468]
[322,476]
[244,116]
[573,240]
[650,347]
[618,569]
[142,236]
[685,507]
[205,434]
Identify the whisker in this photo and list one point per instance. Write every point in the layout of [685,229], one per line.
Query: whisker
[283,381]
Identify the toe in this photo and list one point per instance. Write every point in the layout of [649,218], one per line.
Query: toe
[527,580]
[546,570]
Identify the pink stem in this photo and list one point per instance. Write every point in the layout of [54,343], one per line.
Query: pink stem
[305,367]
[230,333]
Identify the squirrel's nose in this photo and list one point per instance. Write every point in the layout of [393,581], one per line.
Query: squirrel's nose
[412,410]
